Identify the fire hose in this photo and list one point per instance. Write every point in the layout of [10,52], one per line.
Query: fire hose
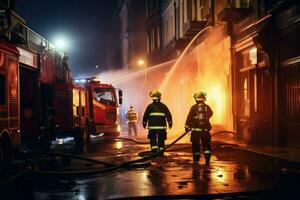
[131,163]
[111,167]
[141,162]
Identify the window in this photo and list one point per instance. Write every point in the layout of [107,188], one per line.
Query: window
[2,90]
[243,3]
[158,37]
[104,95]
[149,42]
[246,98]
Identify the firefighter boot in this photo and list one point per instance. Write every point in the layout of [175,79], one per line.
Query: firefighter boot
[154,149]
[196,157]
[161,152]
[207,157]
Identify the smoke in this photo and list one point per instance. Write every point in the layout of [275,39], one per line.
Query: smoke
[205,67]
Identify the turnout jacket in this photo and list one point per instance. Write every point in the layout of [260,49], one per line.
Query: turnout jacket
[131,116]
[156,116]
[198,117]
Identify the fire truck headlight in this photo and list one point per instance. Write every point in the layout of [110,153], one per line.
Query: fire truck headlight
[119,128]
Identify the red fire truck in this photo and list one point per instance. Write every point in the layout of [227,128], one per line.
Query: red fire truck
[86,107]
[9,100]
[39,100]
[103,106]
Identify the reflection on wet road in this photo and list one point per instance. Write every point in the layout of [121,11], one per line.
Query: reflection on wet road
[231,170]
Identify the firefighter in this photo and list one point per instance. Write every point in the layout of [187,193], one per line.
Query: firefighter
[155,118]
[131,117]
[198,122]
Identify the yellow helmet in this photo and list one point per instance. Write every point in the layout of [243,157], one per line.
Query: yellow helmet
[155,95]
[200,96]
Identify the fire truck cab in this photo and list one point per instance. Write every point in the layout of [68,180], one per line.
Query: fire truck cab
[103,104]
[10,137]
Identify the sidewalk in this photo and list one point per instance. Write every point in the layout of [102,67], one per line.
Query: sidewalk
[291,154]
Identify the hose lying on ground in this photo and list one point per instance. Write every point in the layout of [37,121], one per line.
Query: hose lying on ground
[72,156]
[111,167]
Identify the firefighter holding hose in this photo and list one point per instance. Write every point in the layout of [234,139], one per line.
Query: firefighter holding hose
[198,122]
[155,118]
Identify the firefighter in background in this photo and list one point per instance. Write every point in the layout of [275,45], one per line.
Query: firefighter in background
[198,122]
[131,117]
[155,118]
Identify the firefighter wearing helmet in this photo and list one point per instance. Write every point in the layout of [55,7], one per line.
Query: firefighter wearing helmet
[155,118]
[132,118]
[198,122]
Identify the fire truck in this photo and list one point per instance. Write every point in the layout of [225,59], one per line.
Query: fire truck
[9,100]
[86,107]
[103,103]
[39,101]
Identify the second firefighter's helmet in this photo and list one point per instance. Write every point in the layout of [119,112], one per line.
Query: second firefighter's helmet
[155,95]
[200,96]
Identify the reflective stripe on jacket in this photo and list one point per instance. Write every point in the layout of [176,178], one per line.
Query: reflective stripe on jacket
[156,116]
[131,116]
[198,117]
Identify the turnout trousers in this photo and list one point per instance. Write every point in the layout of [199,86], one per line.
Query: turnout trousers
[132,128]
[205,138]
[157,140]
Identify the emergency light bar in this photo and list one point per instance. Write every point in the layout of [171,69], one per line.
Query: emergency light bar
[87,80]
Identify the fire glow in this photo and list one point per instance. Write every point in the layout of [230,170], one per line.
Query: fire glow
[205,68]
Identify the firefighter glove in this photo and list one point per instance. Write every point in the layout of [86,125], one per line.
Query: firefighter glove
[187,129]
[144,125]
[170,124]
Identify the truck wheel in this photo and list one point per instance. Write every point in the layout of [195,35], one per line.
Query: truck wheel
[5,149]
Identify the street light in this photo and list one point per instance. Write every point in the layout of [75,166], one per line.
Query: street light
[61,43]
[142,63]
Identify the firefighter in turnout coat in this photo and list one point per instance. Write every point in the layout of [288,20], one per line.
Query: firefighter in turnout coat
[155,118]
[198,122]
[131,117]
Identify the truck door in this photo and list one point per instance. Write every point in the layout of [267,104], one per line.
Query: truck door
[29,108]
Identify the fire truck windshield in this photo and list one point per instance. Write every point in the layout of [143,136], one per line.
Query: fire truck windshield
[104,95]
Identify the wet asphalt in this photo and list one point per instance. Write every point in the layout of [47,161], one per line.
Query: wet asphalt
[232,174]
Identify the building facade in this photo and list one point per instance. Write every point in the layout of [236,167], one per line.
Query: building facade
[264,69]
[246,55]
[265,55]
[132,15]
[171,25]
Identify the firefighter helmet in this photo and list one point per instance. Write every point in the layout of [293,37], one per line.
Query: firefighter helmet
[200,96]
[155,95]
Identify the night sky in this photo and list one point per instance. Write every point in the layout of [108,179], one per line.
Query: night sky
[85,23]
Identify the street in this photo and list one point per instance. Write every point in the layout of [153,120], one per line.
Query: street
[173,176]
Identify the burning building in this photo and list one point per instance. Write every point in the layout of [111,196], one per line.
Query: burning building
[265,70]
[243,53]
